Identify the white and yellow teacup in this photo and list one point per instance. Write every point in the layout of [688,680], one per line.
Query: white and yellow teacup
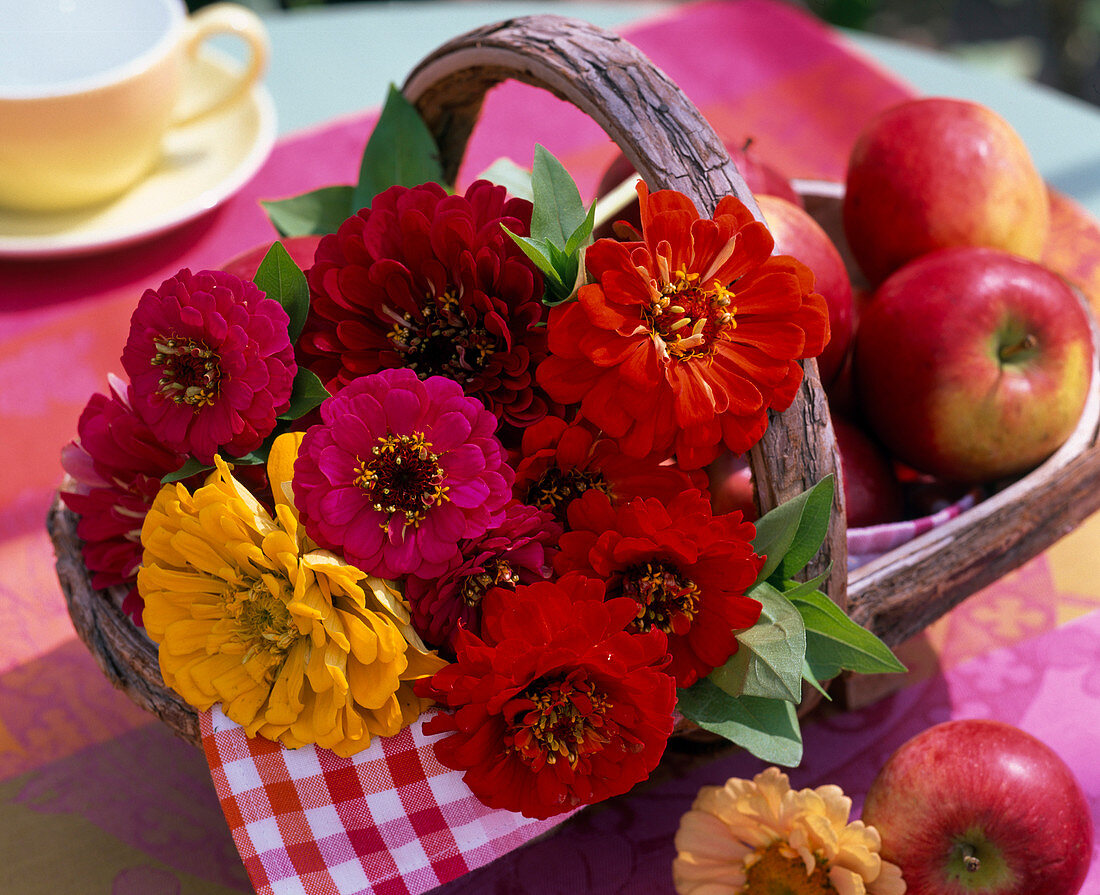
[88,89]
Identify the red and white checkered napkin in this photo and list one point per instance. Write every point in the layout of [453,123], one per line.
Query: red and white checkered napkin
[390,821]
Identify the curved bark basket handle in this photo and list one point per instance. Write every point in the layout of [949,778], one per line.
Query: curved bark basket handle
[671,146]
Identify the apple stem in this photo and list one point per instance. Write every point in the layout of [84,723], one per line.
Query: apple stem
[971,861]
[1028,342]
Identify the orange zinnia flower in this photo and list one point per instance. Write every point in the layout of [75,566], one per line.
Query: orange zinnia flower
[685,339]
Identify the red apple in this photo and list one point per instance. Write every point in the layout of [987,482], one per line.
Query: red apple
[759,177]
[872,494]
[981,808]
[798,234]
[300,249]
[931,173]
[972,364]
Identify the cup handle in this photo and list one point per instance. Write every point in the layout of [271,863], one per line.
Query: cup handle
[225,18]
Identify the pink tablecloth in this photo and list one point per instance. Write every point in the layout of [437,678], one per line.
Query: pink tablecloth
[97,797]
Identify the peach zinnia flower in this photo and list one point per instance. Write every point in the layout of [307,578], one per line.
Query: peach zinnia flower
[296,644]
[754,837]
[685,339]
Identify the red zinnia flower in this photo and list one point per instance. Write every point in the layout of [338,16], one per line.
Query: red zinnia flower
[560,461]
[116,465]
[685,340]
[210,362]
[556,705]
[432,283]
[399,472]
[515,551]
[685,569]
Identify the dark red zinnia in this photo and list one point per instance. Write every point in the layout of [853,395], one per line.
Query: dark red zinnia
[432,283]
[685,569]
[560,461]
[115,466]
[210,363]
[516,551]
[556,705]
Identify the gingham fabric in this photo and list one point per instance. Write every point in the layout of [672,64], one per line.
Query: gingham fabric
[389,821]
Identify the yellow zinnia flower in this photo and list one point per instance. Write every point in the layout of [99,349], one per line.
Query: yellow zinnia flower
[296,644]
[760,837]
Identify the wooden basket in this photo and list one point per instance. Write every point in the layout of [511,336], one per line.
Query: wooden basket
[672,146]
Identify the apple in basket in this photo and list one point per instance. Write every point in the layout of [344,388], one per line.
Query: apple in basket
[798,234]
[979,807]
[972,364]
[931,173]
[300,249]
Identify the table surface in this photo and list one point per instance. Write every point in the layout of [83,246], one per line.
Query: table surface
[66,820]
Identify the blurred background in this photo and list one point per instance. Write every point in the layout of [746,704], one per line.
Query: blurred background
[1053,42]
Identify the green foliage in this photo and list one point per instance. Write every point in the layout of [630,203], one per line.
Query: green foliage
[801,636]
[560,227]
[400,152]
[284,281]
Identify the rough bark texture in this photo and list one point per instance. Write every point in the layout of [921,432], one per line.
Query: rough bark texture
[123,650]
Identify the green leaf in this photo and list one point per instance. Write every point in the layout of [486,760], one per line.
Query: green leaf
[770,655]
[768,728]
[401,151]
[835,643]
[514,178]
[558,210]
[791,534]
[190,467]
[809,678]
[538,250]
[284,281]
[308,392]
[311,214]
[566,267]
[579,237]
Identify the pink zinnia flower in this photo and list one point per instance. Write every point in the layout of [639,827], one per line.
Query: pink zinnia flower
[432,283]
[399,472]
[116,465]
[516,551]
[211,363]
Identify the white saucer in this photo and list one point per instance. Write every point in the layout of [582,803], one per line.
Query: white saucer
[203,164]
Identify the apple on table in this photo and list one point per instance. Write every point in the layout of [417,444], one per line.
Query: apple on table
[980,807]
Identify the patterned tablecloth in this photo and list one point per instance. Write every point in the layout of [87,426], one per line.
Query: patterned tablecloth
[97,797]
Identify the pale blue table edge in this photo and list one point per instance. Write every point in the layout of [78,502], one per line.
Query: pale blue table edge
[329,62]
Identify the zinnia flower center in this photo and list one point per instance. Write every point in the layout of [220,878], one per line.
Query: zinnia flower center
[192,371]
[402,475]
[688,316]
[556,488]
[262,623]
[665,598]
[441,341]
[494,573]
[563,719]
[775,873]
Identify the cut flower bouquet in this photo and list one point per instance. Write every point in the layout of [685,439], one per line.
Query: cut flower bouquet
[454,474]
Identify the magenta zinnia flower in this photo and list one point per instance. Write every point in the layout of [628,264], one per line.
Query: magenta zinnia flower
[116,466]
[516,551]
[211,363]
[432,283]
[399,472]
